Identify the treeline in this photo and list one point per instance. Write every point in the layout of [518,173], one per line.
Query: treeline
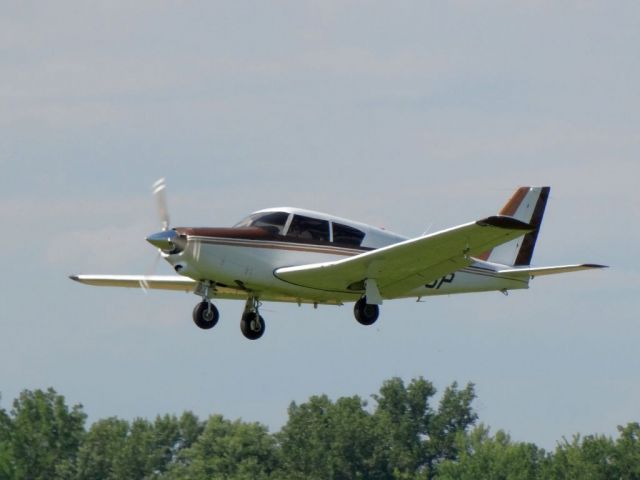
[400,436]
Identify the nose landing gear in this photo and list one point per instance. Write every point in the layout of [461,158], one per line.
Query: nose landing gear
[205,315]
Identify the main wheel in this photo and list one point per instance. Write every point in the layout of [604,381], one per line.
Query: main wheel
[205,315]
[365,314]
[252,325]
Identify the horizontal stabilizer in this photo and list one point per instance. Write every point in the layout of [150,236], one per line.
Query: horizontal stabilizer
[539,271]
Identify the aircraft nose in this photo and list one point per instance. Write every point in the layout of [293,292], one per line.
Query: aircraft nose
[163,240]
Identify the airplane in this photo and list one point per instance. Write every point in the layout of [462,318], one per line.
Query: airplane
[305,257]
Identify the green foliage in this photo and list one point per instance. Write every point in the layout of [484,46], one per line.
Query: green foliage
[403,438]
[403,422]
[100,455]
[228,450]
[597,456]
[116,450]
[6,458]
[454,417]
[497,457]
[327,440]
[627,453]
[45,435]
[400,437]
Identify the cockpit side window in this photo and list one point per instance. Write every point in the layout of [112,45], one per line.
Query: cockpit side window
[308,228]
[347,235]
[273,222]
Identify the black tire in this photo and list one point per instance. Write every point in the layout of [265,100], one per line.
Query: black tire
[365,314]
[252,325]
[204,317]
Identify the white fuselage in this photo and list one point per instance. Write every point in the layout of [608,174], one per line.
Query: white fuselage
[231,257]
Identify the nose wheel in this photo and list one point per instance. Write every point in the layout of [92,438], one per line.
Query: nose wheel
[252,324]
[205,315]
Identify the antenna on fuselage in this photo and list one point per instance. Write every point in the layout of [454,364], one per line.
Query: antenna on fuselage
[427,230]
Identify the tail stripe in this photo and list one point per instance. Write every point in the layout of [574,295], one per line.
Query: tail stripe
[529,241]
[511,207]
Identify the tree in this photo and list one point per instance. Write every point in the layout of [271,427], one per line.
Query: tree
[327,440]
[101,450]
[599,456]
[6,459]
[497,457]
[46,435]
[414,437]
[113,449]
[587,458]
[229,450]
[403,420]
[454,416]
[170,437]
[627,451]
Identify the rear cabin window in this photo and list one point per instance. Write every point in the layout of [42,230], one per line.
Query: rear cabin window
[347,235]
[307,228]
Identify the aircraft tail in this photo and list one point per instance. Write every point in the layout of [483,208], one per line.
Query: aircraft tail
[527,204]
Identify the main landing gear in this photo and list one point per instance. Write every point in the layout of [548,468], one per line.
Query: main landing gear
[252,324]
[366,314]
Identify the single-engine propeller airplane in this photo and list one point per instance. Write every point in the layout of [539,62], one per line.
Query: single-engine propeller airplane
[300,256]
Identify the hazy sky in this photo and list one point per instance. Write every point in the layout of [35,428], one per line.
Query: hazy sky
[409,115]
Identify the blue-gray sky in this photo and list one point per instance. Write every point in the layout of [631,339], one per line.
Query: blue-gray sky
[409,115]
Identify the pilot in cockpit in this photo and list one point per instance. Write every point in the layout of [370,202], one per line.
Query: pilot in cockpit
[299,230]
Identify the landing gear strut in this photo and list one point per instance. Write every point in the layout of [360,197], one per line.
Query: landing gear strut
[252,324]
[365,313]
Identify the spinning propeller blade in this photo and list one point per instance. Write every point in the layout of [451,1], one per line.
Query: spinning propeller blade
[144,285]
[159,191]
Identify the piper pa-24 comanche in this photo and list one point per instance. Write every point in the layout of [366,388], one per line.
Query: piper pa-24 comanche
[301,256]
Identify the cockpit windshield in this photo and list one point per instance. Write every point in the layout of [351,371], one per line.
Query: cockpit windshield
[274,222]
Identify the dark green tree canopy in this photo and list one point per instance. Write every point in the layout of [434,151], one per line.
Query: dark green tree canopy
[402,434]
[43,436]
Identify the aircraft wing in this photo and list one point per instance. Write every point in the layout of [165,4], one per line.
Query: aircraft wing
[184,284]
[401,267]
[157,282]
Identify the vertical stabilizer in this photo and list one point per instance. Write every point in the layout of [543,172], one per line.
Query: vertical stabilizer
[527,204]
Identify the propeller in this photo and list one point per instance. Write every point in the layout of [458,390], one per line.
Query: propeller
[144,284]
[161,239]
[159,191]
[169,241]
[166,240]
